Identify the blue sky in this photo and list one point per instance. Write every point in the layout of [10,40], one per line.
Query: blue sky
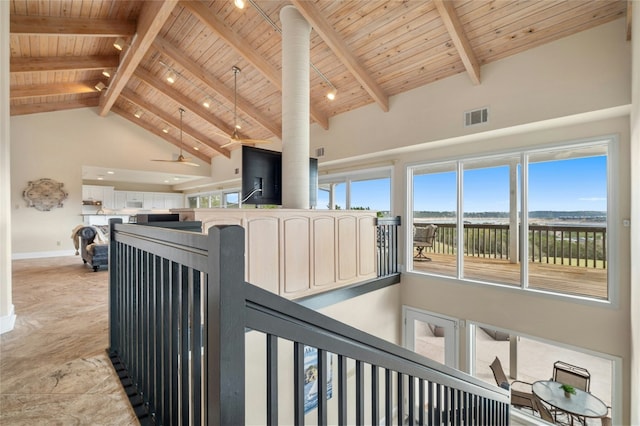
[572,184]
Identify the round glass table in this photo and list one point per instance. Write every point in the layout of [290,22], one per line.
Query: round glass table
[582,404]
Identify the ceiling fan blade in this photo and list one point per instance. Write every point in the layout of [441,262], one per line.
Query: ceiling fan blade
[188,163]
[254,141]
[231,142]
[244,142]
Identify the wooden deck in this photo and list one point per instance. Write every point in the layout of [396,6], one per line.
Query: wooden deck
[573,280]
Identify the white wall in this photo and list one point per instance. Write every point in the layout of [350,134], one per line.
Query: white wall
[635,224]
[56,145]
[7,316]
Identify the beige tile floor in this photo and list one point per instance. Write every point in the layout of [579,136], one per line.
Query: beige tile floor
[54,369]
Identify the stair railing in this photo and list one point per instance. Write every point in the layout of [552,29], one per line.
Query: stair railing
[180,312]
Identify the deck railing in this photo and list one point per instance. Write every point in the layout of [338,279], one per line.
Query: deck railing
[179,314]
[387,238]
[584,246]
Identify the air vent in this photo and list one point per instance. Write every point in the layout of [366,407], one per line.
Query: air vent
[320,152]
[475,117]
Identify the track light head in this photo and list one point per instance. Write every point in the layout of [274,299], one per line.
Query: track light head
[119,43]
[171,76]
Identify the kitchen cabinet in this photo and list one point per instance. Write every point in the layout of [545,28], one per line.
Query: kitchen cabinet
[105,194]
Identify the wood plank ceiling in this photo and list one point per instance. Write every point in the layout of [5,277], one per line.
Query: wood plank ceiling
[369,50]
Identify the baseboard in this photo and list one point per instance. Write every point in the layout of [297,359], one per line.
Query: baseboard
[41,254]
[7,322]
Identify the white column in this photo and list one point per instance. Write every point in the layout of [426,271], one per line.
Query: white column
[635,221]
[295,109]
[7,316]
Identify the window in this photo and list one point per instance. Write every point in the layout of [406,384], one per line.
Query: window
[529,359]
[359,190]
[216,199]
[477,205]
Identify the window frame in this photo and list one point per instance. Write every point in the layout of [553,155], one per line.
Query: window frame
[348,177]
[611,142]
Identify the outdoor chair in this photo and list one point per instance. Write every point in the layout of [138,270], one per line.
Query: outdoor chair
[519,398]
[423,237]
[573,375]
[569,374]
[543,411]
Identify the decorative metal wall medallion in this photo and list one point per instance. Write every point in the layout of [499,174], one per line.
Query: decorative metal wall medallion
[44,194]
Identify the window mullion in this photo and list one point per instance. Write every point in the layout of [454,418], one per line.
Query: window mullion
[524,223]
[460,220]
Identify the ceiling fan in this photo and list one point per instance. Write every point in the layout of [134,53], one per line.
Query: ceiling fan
[181,158]
[235,137]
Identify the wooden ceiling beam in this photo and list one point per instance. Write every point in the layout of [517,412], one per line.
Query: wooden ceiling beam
[131,96]
[202,12]
[186,102]
[151,20]
[167,137]
[48,25]
[25,109]
[52,89]
[62,63]
[456,32]
[340,49]
[167,49]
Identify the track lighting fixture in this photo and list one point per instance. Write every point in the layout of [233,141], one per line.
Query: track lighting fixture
[106,73]
[138,113]
[240,4]
[100,86]
[171,76]
[119,43]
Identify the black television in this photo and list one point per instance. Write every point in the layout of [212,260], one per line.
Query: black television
[262,177]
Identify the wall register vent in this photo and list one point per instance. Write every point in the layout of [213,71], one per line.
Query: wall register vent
[475,117]
[320,152]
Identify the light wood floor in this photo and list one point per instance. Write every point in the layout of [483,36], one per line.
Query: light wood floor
[54,369]
[567,279]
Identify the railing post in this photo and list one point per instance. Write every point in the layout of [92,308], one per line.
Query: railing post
[114,329]
[224,324]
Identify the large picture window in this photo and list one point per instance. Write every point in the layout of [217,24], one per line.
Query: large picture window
[476,206]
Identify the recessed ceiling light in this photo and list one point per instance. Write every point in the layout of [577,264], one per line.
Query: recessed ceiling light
[207,102]
[331,95]
[138,113]
[100,178]
[240,4]
[196,148]
[176,178]
[110,172]
[165,130]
